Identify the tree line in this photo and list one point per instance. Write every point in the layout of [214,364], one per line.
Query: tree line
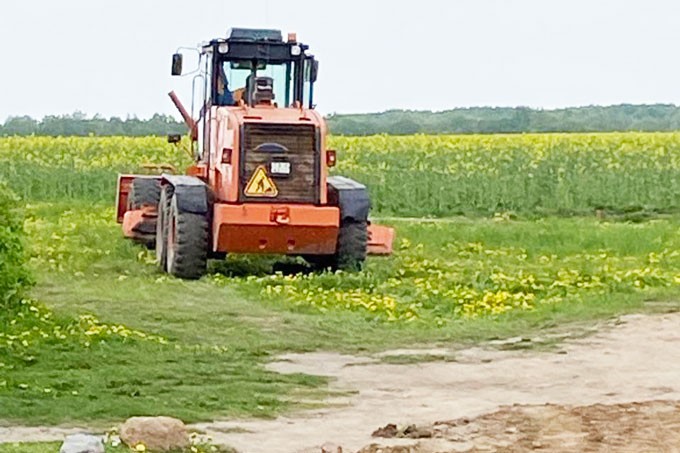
[488,120]
[78,124]
[484,120]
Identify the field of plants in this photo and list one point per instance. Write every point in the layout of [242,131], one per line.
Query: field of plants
[497,235]
[420,176]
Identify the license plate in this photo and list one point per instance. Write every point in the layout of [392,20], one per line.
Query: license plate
[280,168]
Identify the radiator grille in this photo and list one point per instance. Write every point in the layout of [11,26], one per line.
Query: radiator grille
[263,144]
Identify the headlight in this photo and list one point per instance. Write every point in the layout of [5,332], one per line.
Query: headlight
[223,48]
[295,51]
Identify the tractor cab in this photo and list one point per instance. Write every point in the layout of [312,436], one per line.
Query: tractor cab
[256,67]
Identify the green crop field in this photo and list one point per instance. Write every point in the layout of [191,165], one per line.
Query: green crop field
[423,176]
[497,235]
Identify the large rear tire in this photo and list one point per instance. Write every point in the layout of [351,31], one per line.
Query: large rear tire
[187,243]
[162,226]
[351,249]
[352,246]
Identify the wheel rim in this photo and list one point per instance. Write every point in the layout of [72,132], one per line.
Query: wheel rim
[161,256]
[172,235]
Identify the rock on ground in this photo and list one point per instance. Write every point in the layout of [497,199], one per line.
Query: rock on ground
[82,443]
[156,433]
[330,447]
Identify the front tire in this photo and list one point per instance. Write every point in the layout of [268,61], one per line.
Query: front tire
[187,243]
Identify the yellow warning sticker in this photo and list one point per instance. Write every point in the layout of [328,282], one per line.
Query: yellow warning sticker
[261,185]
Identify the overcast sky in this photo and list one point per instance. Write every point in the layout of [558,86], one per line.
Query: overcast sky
[113,57]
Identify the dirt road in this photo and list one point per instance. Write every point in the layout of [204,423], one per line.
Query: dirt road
[634,361]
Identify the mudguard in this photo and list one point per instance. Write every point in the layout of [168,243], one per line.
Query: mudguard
[350,196]
[191,193]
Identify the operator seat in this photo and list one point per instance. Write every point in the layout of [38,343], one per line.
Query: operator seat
[260,90]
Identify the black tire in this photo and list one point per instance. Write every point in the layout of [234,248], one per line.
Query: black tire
[144,192]
[350,252]
[352,245]
[321,262]
[162,226]
[187,243]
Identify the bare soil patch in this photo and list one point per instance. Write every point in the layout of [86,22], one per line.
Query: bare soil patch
[631,427]
[634,359]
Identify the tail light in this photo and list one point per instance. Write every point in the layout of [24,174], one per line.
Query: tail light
[331,158]
[226,156]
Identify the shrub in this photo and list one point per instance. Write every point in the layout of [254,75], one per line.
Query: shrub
[13,274]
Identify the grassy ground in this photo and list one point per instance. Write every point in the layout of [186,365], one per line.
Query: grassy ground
[52,447]
[196,350]
[46,447]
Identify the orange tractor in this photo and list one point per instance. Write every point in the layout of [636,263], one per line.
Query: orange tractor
[260,181]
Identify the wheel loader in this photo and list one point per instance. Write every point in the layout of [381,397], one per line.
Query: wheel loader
[260,182]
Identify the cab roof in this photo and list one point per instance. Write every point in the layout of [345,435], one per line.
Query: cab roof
[254,34]
[264,45]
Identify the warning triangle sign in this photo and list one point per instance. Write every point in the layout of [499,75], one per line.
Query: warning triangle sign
[261,185]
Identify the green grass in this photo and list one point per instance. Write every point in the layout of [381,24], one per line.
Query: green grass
[447,270]
[108,382]
[221,330]
[46,447]
[52,447]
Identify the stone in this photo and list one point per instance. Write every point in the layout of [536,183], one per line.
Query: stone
[156,433]
[390,430]
[414,432]
[82,443]
[330,447]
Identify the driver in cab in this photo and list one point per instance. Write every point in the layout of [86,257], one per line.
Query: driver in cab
[224,95]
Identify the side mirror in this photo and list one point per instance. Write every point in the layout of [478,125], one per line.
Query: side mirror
[177,64]
[314,71]
[174,138]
